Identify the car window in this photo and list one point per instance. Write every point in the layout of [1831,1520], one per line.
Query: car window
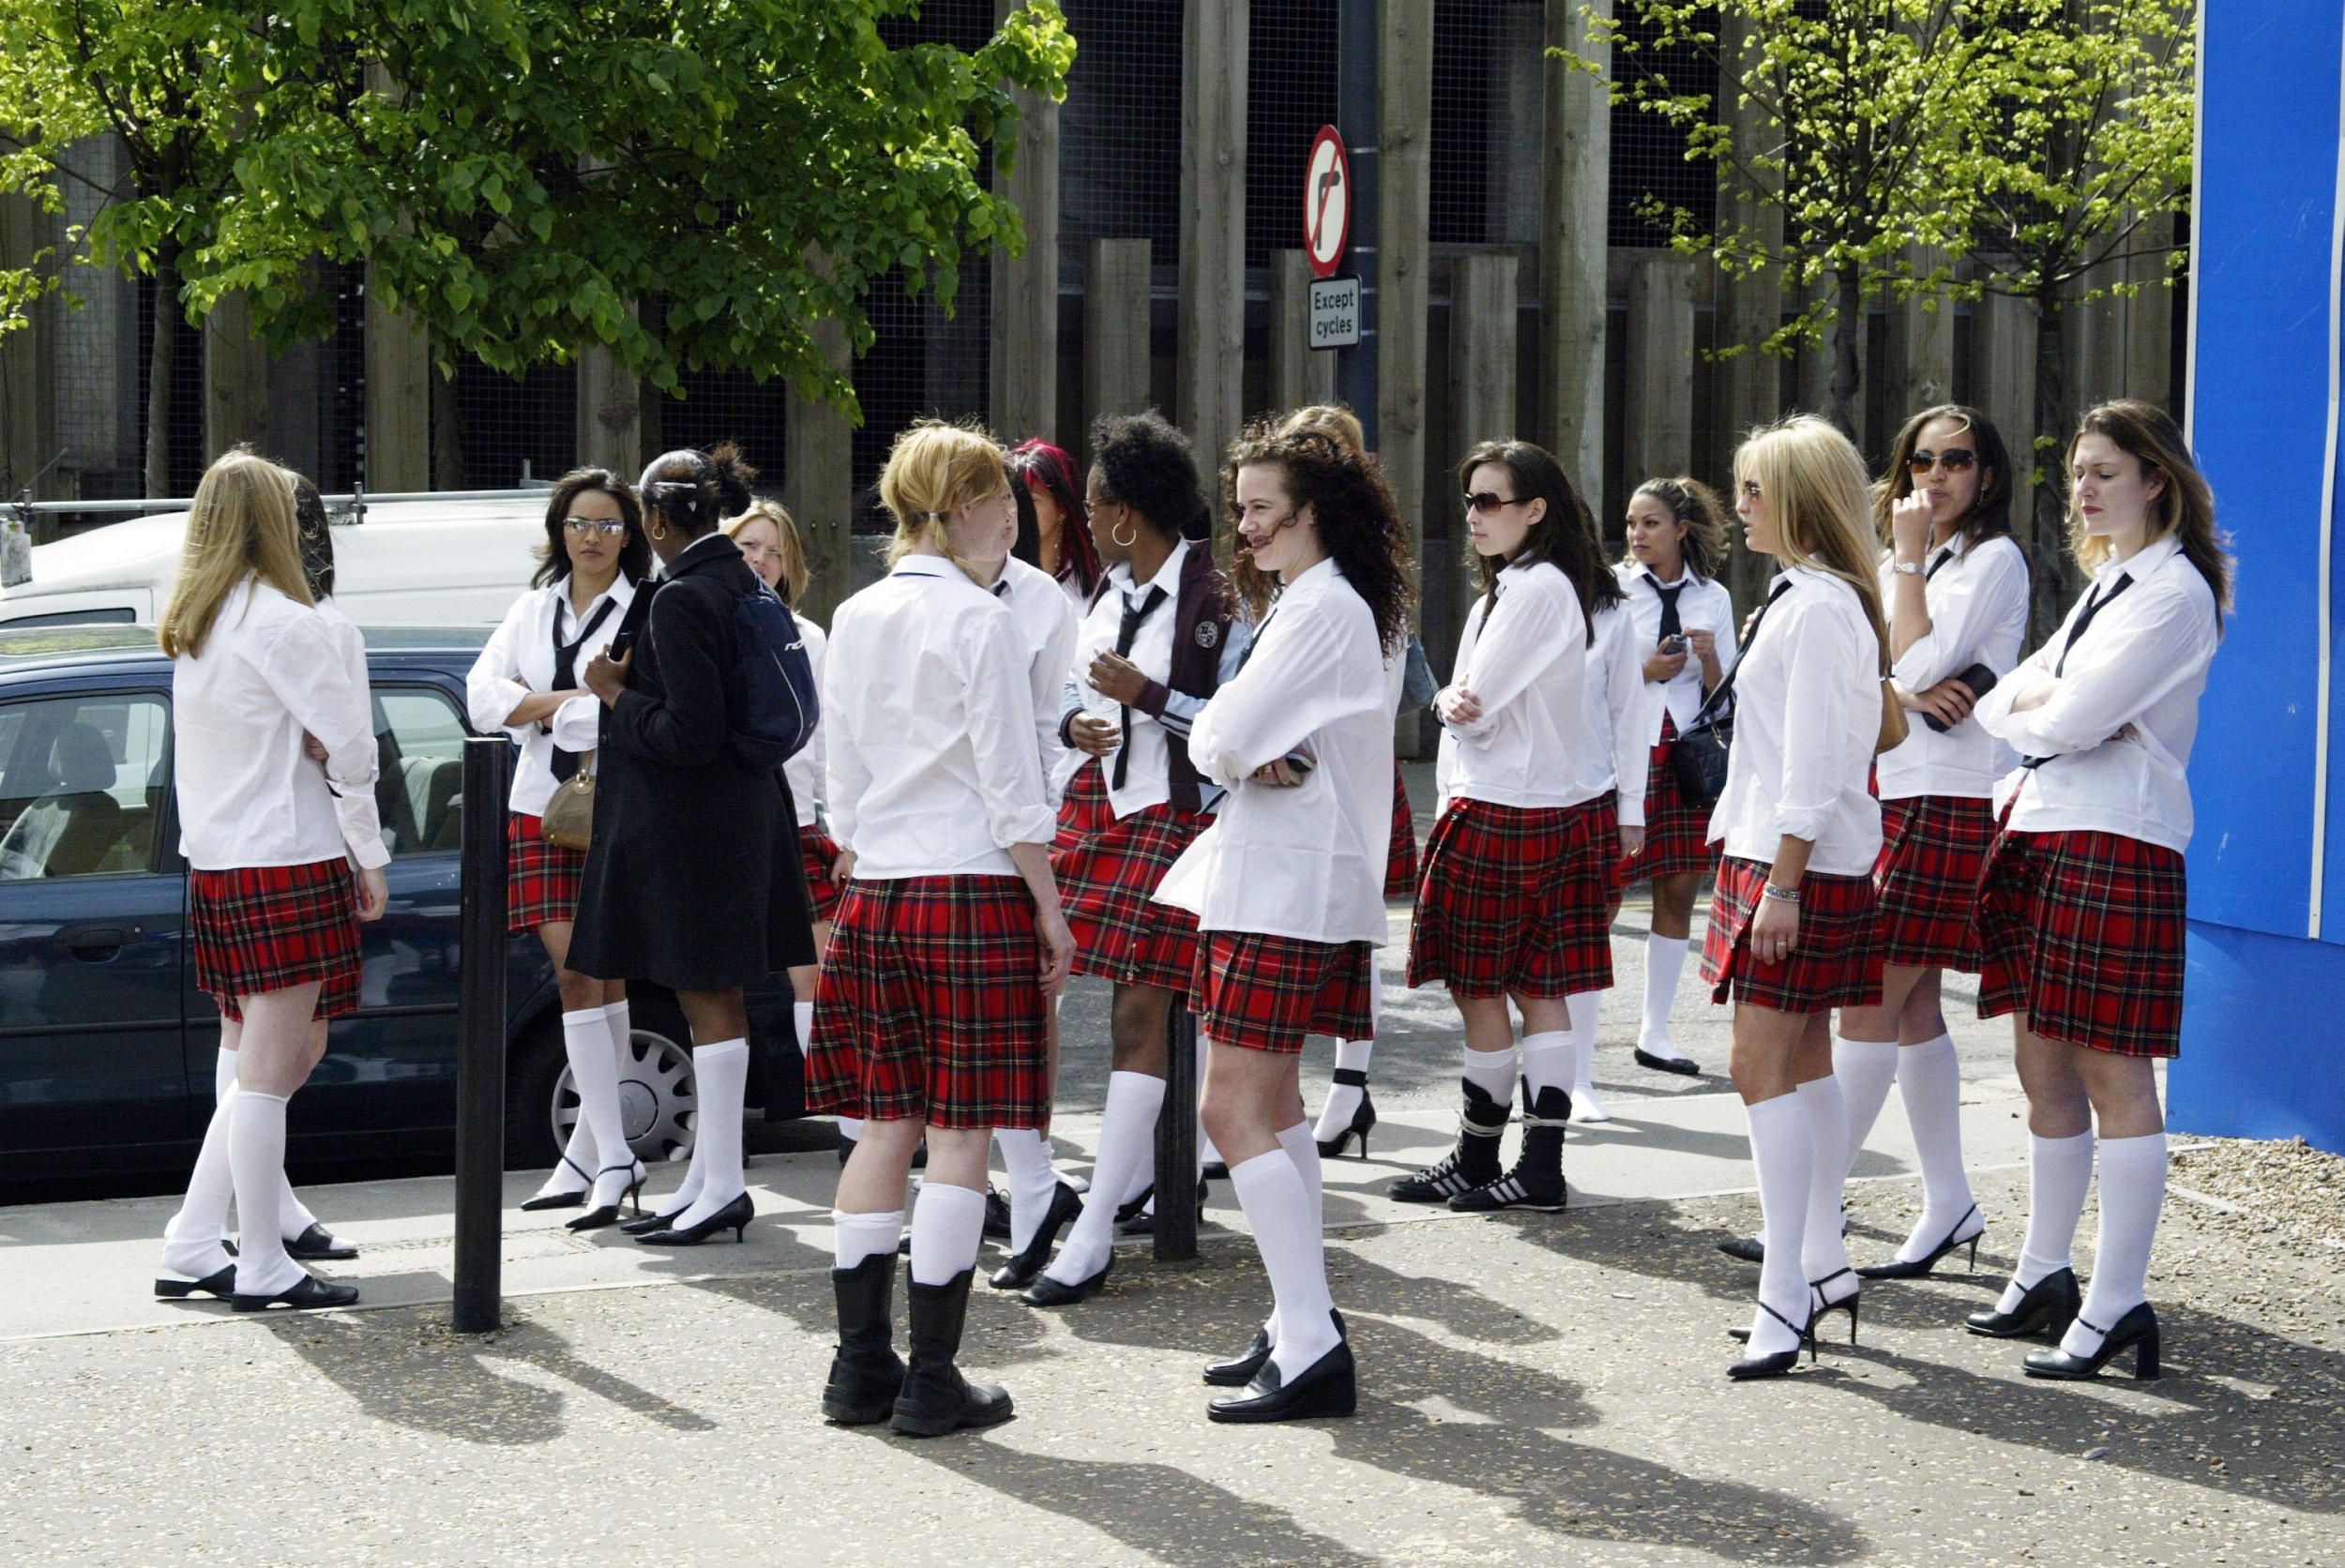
[421,739]
[81,782]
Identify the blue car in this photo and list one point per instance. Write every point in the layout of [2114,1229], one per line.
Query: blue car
[107,1047]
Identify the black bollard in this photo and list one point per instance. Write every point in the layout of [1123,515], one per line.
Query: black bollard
[1176,1141]
[480,1040]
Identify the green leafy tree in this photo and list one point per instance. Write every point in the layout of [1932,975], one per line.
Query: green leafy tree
[520,172]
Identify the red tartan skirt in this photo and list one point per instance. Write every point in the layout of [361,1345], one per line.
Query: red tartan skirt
[263,928]
[1108,868]
[1835,961]
[1676,831]
[931,1005]
[821,852]
[2083,932]
[1400,854]
[541,879]
[1933,851]
[1267,992]
[1517,902]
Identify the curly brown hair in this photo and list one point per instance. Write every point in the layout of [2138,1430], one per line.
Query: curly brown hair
[1358,524]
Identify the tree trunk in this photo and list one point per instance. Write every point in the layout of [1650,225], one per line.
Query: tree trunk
[2054,573]
[447,435]
[1848,338]
[161,359]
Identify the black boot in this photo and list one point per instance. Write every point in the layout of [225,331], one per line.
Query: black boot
[866,1374]
[1536,1182]
[936,1398]
[1481,1122]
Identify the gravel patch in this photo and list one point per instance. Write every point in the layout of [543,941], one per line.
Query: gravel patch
[2285,1187]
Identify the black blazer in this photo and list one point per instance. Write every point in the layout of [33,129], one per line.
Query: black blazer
[694,880]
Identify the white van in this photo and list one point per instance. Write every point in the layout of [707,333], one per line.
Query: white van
[439,561]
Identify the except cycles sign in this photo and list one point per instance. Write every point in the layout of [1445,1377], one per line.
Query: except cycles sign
[1327,203]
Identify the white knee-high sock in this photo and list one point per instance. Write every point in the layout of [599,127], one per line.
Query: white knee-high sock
[1032,1182]
[1866,1069]
[1343,1099]
[946,1226]
[1143,1174]
[2058,1174]
[256,1156]
[802,1014]
[1929,1082]
[191,1242]
[1304,1150]
[293,1216]
[1492,1072]
[2133,1190]
[1548,1059]
[720,1081]
[1664,962]
[1585,1008]
[1128,1135]
[855,1237]
[1783,1155]
[594,1074]
[1824,1251]
[1279,1208]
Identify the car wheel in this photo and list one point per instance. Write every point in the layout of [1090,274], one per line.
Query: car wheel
[655,1098]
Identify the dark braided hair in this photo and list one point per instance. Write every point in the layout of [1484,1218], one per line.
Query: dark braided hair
[694,492]
[1359,524]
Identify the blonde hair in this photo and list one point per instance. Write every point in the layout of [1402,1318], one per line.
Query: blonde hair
[240,526]
[1336,422]
[934,470]
[1819,495]
[786,544]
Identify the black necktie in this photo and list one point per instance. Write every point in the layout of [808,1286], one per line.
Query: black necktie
[1254,641]
[1135,615]
[1001,589]
[1943,556]
[1671,624]
[2095,603]
[565,674]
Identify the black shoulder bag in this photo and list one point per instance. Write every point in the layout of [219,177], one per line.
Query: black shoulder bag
[1700,753]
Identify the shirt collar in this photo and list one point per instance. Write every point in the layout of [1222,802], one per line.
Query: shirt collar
[700,546]
[1684,575]
[940,567]
[2145,560]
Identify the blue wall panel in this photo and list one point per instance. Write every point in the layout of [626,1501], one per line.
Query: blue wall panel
[2261,1055]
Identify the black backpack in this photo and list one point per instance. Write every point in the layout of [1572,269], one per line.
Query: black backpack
[776,705]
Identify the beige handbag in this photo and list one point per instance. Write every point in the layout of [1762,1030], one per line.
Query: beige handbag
[569,823]
[1894,727]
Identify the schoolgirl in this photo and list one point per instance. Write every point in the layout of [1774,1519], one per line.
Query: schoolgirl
[2081,920]
[1683,623]
[270,835]
[1161,636]
[1058,540]
[1287,881]
[1956,585]
[528,683]
[769,543]
[1792,932]
[1513,901]
[949,943]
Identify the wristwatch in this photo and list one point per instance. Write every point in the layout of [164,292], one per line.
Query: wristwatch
[1910,568]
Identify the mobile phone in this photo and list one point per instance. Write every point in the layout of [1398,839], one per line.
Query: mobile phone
[1673,643]
[622,644]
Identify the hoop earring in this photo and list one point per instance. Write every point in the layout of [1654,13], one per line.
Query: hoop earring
[1117,535]
[657,531]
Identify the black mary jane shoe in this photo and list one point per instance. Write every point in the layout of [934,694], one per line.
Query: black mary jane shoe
[2136,1331]
[310,1295]
[1753,1367]
[608,1214]
[219,1286]
[1684,1066]
[1046,1291]
[317,1244]
[1328,1387]
[1819,1308]
[1026,1266]
[1745,1249]
[1919,1268]
[1239,1370]
[2049,1305]
[561,1200]
[734,1217]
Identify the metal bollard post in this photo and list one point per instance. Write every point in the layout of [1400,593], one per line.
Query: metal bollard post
[480,1040]
[1176,1142]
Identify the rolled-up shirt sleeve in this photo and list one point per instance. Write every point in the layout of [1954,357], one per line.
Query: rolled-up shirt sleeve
[1277,701]
[2111,680]
[1831,661]
[996,674]
[306,670]
[578,724]
[1968,610]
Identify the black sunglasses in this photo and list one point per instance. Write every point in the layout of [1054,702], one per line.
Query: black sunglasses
[1489,501]
[1956,459]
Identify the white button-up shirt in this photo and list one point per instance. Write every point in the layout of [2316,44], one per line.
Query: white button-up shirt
[1703,605]
[1978,607]
[928,711]
[271,672]
[1148,776]
[1616,699]
[1306,861]
[804,770]
[518,660]
[1535,746]
[1047,620]
[1807,714]
[2123,712]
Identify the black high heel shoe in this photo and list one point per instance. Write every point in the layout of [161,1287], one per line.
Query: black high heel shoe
[1026,1265]
[650,1223]
[608,1214]
[2136,1331]
[1328,1387]
[1363,1117]
[1919,1268]
[561,1200]
[1821,1308]
[1046,1291]
[2049,1305]
[1776,1364]
[734,1217]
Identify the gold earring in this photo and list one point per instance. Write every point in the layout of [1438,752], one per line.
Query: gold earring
[658,531]
[1117,535]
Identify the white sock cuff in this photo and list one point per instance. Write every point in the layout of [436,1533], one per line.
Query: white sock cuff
[1819,1091]
[588,1017]
[1877,1049]
[1491,1061]
[1289,1138]
[1773,1118]
[615,1009]
[1355,1055]
[1549,1059]
[947,1225]
[855,1237]
[256,1095]
[1272,1167]
[702,1055]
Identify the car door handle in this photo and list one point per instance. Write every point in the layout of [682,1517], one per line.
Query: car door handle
[94,945]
